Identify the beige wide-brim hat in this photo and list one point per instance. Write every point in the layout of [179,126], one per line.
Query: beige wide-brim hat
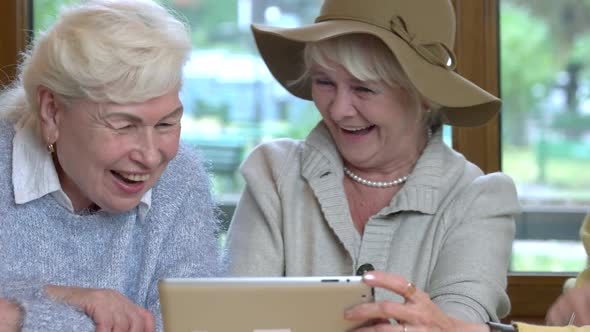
[420,33]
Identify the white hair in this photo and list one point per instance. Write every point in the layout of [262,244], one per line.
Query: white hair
[366,58]
[120,51]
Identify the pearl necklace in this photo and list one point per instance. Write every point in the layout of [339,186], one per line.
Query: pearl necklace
[377,184]
[380,184]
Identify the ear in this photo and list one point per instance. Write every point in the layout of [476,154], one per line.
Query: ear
[49,114]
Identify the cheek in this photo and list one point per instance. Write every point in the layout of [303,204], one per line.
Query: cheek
[321,110]
[169,146]
[323,98]
[317,96]
[321,106]
[79,153]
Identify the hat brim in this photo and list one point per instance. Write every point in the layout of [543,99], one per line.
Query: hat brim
[462,102]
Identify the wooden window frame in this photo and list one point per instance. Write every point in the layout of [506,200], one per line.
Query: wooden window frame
[477,53]
[477,50]
[13,37]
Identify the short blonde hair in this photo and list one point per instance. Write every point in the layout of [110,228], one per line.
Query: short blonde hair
[120,51]
[368,59]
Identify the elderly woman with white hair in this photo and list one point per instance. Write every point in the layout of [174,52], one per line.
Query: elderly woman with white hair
[373,186]
[100,200]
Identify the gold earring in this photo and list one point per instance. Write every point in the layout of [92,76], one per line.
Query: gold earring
[50,148]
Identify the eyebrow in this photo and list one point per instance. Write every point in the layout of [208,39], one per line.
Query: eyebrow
[317,71]
[352,80]
[131,117]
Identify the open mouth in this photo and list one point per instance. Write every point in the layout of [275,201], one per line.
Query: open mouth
[131,178]
[358,131]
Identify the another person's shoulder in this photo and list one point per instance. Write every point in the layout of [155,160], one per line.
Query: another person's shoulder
[273,157]
[183,191]
[6,128]
[469,175]
[493,193]
[472,185]
[494,182]
[276,149]
[184,173]
[7,132]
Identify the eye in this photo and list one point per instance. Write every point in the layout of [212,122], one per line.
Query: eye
[321,81]
[125,127]
[164,124]
[363,89]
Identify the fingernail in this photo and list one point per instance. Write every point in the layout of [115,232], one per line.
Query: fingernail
[347,314]
[368,276]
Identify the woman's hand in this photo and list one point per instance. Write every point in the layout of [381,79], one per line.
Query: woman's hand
[110,310]
[574,300]
[10,316]
[418,313]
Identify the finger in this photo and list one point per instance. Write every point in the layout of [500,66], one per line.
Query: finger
[556,316]
[561,310]
[122,322]
[396,284]
[582,307]
[392,282]
[103,327]
[380,328]
[378,310]
[104,322]
[583,312]
[137,322]
[149,321]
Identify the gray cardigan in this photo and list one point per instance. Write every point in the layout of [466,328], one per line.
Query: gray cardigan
[42,243]
[449,229]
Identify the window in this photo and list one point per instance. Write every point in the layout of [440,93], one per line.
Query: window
[545,88]
[477,49]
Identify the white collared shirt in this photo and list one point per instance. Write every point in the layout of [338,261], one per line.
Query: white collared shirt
[34,174]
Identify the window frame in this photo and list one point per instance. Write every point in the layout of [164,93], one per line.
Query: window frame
[13,38]
[477,51]
[476,48]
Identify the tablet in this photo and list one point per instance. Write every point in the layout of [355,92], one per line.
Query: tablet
[287,304]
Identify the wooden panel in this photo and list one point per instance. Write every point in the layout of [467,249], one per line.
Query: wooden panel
[476,48]
[13,37]
[532,295]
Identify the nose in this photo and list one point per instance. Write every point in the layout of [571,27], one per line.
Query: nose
[147,151]
[342,105]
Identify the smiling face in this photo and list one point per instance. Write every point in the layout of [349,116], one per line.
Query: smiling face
[110,154]
[374,125]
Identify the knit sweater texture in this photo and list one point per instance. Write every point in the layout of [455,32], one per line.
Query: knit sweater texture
[449,229]
[42,243]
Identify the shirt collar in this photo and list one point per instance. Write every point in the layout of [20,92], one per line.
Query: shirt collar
[33,171]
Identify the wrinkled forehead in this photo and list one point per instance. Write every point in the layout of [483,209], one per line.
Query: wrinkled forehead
[166,103]
[154,109]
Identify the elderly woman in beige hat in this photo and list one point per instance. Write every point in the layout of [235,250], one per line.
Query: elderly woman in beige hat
[373,186]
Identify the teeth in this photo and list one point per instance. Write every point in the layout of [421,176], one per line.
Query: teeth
[356,129]
[135,177]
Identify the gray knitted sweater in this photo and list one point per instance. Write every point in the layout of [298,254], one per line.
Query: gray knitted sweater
[42,243]
[449,229]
